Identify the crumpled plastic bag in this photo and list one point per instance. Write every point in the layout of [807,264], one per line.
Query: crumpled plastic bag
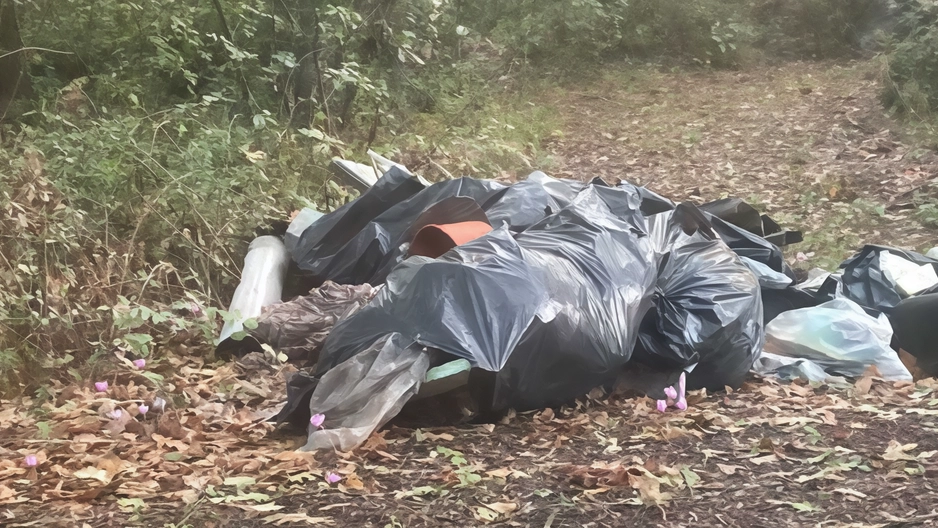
[708,315]
[838,336]
[866,281]
[365,392]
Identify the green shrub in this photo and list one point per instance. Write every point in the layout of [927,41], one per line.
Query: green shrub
[815,28]
[911,77]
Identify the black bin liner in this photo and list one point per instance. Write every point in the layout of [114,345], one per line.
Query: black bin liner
[352,244]
[864,283]
[552,313]
[915,322]
[708,312]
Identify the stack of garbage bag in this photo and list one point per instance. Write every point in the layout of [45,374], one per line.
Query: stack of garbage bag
[565,291]
[529,295]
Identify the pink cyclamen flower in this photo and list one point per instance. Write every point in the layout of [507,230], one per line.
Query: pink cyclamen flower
[140,363]
[662,405]
[681,386]
[31,461]
[115,414]
[100,386]
[332,478]
[670,393]
[143,408]
[316,420]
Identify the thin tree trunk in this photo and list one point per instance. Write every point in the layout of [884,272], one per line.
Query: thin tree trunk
[245,90]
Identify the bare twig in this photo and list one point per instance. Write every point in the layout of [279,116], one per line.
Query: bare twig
[31,48]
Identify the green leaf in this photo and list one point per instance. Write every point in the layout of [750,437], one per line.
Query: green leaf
[129,505]
[805,506]
[250,324]
[174,456]
[44,429]
[259,121]
[690,477]
[152,376]
[312,133]
[486,514]
[820,457]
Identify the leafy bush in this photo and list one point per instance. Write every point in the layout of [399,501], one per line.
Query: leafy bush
[911,80]
[816,28]
[708,32]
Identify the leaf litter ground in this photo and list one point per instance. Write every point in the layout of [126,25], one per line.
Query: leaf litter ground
[770,454]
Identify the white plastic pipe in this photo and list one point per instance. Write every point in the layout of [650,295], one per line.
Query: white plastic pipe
[261,285]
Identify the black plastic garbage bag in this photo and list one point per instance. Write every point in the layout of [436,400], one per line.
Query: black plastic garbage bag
[746,244]
[552,313]
[736,212]
[915,322]
[708,314]
[525,203]
[317,250]
[739,213]
[352,244]
[598,266]
[473,302]
[865,282]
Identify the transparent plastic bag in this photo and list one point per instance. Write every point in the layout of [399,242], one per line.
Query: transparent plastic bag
[839,336]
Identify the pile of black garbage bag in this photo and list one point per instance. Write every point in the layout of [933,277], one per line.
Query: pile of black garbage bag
[576,286]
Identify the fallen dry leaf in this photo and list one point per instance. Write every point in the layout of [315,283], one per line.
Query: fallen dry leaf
[503,508]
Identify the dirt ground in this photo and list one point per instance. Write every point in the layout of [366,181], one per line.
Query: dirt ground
[808,142]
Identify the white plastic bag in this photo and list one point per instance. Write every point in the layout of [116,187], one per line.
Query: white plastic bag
[363,393]
[839,336]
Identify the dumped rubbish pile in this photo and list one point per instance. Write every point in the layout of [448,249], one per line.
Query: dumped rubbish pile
[528,295]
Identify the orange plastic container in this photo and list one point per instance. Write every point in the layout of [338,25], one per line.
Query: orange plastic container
[436,239]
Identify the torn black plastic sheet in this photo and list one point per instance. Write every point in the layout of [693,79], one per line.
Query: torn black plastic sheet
[739,213]
[352,244]
[330,245]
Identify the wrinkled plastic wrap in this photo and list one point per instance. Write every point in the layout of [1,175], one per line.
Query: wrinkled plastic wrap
[865,282]
[708,315]
[365,392]
[788,368]
[298,328]
[838,336]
